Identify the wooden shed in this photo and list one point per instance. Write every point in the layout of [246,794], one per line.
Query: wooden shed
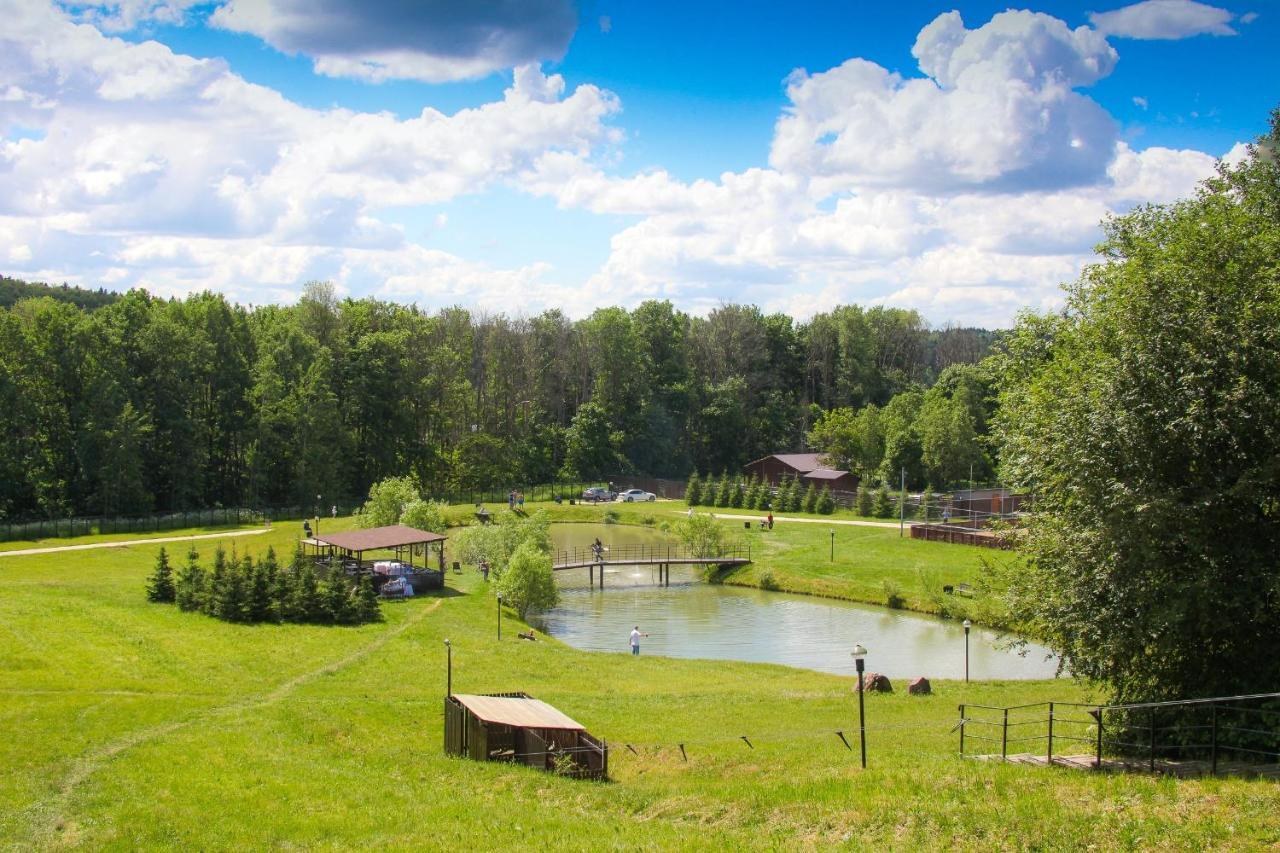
[806,467]
[517,728]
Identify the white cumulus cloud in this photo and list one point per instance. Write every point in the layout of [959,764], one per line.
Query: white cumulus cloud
[1164,19]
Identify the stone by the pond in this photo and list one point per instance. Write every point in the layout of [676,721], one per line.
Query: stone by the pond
[874,682]
[919,686]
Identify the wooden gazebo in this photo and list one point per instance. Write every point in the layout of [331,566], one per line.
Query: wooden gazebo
[517,728]
[412,549]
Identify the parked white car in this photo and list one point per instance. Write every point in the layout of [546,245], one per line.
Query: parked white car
[636,495]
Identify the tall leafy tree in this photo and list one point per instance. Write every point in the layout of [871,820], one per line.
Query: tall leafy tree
[1146,425]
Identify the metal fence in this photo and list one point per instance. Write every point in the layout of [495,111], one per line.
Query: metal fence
[61,528]
[1233,733]
[645,554]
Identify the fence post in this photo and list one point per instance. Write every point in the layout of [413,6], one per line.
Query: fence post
[962,730]
[1098,716]
[1151,721]
[1213,759]
[1050,756]
[1004,736]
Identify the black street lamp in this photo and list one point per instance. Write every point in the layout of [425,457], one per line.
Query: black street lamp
[449,684]
[833,546]
[860,652]
[967,626]
[318,497]
[499,618]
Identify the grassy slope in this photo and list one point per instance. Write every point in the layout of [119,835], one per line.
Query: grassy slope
[139,726]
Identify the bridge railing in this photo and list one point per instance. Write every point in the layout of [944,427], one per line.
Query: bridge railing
[649,554]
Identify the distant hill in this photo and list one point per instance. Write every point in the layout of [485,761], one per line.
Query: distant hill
[12,290]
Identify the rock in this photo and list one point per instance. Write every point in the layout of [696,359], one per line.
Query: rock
[919,687]
[874,682]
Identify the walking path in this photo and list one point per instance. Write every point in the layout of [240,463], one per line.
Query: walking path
[125,542]
[778,518]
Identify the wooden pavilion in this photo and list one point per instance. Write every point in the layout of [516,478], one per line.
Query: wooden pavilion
[412,550]
[517,728]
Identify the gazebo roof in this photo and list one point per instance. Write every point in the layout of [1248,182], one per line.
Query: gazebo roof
[514,711]
[376,538]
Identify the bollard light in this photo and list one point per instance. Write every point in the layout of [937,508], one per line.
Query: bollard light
[449,683]
[860,652]
[499,618]
[967,626]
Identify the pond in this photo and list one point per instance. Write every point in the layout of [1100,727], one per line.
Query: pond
[692,619]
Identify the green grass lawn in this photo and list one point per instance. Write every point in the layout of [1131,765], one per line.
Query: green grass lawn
[132,725]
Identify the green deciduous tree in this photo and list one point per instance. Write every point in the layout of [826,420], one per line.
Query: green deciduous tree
[527,584]
[1144,419]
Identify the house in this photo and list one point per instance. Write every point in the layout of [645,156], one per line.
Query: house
[808,467]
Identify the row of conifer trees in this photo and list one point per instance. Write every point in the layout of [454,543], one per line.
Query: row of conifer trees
[240,589]
[727,492]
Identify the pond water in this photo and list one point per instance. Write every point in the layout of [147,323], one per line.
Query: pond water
[692,619]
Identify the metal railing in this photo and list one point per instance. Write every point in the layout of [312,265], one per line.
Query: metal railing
[642,554]
[1149,735]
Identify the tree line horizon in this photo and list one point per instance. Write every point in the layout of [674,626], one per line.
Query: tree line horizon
[119,404]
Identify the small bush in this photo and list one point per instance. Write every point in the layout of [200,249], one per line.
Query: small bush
[611,516]
[892,594]
[768,581]
[648,521]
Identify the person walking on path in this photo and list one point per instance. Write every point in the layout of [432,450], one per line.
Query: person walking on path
[635,640]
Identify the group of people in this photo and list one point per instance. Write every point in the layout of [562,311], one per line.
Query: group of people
[515,499]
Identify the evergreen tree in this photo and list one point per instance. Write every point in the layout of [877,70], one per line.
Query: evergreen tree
[366,607]
[738,494]
[811,498]
[189,591]
[723,493]
[883,505]
[865,503]
[693,491]
[259,604]
[336,599]
[217,580]
[160,588]
[826,503]
[754,493]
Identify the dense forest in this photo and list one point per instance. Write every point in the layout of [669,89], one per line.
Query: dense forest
[119,404]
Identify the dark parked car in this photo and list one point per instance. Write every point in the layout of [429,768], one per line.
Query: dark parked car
[597,493]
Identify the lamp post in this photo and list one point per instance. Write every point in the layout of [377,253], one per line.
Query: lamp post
[449,684]
[833,546]
[860,652]
[499,618]
[318,497]
[967,626]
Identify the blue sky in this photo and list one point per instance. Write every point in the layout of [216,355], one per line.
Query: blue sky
[521,156]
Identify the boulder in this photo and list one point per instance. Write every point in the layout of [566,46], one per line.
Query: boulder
[874,682]
[919,686]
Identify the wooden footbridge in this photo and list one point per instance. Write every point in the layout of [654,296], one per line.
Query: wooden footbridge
[662,556]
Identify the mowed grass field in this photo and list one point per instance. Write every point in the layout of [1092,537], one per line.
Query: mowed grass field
[130,725]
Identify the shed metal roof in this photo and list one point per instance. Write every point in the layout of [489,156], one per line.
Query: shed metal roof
[511,711]
[375,538]
[825,474]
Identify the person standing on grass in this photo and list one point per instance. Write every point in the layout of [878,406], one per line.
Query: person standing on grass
[635,640]
[770,519]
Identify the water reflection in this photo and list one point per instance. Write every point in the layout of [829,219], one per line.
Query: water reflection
[696,620]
